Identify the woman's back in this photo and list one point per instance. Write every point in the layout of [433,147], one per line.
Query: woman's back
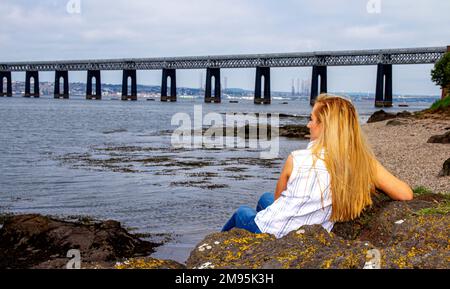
[317,190]
[306,200]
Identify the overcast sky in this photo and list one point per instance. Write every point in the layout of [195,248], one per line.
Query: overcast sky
[47,30]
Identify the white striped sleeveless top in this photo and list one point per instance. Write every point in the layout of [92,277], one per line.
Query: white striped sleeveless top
[306,200]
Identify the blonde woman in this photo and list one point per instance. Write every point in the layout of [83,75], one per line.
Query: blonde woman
[331,181]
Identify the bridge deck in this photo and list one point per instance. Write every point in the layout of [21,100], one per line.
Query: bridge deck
[423,55]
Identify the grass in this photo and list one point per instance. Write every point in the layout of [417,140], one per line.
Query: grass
[419,191]
[441,104]
[442,209]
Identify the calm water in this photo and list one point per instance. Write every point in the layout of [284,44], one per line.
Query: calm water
[114,160]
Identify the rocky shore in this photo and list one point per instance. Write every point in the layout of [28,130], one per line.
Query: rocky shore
[390,234]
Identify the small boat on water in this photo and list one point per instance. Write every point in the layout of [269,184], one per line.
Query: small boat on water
[403,104]
[234,101]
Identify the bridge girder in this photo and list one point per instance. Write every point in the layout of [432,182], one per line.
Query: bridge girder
[425,55]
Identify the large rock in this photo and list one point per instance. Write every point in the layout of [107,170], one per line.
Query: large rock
[406,235]
[308,247]
[381,115]
[444,138]
[445,169]
[261,131]
[295,131]
[42,242]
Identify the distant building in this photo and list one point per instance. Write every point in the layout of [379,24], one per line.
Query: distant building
[293,88]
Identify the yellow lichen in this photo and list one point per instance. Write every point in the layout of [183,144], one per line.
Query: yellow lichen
[140,263]
[321,238]
[327,264]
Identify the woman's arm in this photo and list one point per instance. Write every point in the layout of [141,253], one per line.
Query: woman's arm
[392,186]
[284,177]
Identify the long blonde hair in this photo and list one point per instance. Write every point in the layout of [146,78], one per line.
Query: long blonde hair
[348,158]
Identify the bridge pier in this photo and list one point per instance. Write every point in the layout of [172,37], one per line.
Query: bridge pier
[210,73]
[7,75]
[64,74]
[383,94]
[166,73]
[129,73]
[28,76]
[98,85]
[260,73]
[318,71]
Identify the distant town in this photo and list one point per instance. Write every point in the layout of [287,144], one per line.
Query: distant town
[299,91]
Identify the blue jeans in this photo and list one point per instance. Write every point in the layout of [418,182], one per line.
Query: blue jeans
[244,217]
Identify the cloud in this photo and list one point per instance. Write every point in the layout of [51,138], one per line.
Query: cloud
[365,32]
[98,35]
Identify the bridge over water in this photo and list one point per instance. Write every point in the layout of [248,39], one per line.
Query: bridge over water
[319,61]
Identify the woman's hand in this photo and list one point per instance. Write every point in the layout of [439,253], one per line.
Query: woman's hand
[284,177]
[392,186]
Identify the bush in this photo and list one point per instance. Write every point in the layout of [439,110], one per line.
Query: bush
[440,74]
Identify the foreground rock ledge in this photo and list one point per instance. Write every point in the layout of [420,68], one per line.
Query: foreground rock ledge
[411,234]
[35,241]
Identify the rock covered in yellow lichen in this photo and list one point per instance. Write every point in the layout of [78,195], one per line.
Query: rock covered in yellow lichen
[309,247]
[148,263]
[388,235]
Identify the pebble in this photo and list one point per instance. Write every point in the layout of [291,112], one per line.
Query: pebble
[206,246]
[206,265]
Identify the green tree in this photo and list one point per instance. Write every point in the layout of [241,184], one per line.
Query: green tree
[441,72]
